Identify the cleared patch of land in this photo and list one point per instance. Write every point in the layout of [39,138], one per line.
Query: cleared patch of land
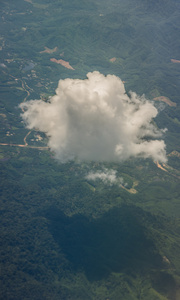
[166,100]
[63,63]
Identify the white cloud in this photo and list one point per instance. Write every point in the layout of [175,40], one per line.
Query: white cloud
[107,176]
[94,119]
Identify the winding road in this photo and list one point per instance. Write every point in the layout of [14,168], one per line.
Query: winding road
[27,89]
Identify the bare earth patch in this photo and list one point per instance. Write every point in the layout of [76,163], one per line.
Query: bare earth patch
[63,63]
[166,100]
[131,190]
[28,1]
[47,50]
[160,167]
[175,61]
[174,153]
[113,59]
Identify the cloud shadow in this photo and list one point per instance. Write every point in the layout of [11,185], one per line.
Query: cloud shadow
[113,243]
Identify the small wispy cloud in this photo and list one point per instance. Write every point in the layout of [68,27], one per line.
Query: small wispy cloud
[107,176]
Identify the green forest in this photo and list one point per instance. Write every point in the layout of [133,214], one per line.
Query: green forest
[63,235]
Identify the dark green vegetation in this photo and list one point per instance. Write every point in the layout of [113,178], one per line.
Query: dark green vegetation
[63,236]
[62,239]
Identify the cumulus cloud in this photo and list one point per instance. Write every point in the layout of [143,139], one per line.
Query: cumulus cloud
[95,120]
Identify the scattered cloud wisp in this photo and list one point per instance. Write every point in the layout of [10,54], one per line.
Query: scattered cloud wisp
[107,176]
